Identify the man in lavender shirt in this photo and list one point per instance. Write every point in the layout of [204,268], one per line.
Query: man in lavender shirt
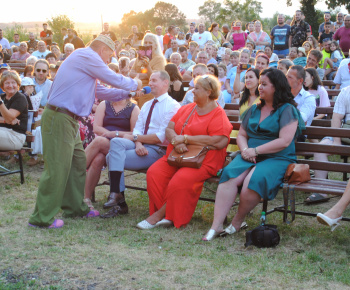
[71,96]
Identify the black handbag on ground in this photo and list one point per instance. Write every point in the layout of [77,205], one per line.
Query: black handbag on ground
[263,236]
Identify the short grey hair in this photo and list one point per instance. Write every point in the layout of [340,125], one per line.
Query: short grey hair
[68,45]
[32,57]
[164,76]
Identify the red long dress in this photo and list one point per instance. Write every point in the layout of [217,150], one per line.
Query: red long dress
[180,188]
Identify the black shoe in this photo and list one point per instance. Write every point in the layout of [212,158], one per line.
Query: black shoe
[114,199]
[115,211]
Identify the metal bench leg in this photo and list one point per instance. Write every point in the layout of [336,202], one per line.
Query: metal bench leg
[20,159]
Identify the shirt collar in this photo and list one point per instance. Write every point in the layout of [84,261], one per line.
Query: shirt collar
[162,97]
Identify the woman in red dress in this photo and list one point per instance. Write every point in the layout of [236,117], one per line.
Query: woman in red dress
[174,192]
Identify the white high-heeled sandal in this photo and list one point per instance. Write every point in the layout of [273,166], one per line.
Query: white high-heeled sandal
[325,220]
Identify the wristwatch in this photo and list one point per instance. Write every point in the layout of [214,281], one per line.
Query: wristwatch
[135,138]
[117,133]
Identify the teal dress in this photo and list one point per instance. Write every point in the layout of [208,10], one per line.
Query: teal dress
[269,168]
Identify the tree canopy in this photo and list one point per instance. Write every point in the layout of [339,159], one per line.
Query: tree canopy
[162,13]
[56,23]
[230,10]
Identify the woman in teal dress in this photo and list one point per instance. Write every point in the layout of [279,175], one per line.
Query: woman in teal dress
[266,140]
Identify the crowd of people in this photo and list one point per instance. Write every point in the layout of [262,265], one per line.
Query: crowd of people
[89,120]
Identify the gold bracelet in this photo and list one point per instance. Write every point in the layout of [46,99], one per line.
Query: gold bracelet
[185,139]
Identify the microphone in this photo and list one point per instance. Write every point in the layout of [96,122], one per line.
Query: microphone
[145,90]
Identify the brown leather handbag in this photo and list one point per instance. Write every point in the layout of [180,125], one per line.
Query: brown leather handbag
[297,173]
[193,158]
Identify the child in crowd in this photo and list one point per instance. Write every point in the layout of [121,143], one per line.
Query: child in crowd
[252,61]
[336,58]
[307,46]
[234,59]
[327,34]
[284,65]
[251,47]
[193,50]
[181,39]
[301,59]
[222,69]
[293,53]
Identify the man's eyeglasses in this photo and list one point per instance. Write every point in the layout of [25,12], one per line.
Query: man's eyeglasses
[38,70]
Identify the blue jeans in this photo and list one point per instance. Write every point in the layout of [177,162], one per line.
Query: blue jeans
[285,52]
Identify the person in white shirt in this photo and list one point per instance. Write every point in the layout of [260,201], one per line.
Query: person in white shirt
[148,142]
[202,36]
[42,51]
[3,41]
[15,40]
[341,112]
[159,35]
[199,70]
[306,102]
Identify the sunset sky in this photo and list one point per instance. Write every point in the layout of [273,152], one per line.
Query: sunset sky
[91,11]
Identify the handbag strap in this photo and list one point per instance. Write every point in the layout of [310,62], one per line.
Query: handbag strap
[184,125]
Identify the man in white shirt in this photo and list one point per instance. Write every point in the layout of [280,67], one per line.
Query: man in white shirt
[42,51]
[202,36]
[199,70]
[41,81]
[159,35]
[341,112]
[306,102]
[3,41]
[145,146]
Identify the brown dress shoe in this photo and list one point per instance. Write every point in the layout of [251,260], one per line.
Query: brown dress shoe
[32,162]
[115,211]
[113,199]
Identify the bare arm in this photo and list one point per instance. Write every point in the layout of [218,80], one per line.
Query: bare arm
[9,115]
[217,142]
[286,136]
[336,123]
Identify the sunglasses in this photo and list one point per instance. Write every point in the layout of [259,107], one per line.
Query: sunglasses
[41,70]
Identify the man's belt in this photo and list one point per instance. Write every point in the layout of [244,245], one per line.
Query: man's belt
[64,111]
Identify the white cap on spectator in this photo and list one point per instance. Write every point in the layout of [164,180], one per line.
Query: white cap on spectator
[27,82]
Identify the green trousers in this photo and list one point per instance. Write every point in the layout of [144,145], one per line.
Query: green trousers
[62,182]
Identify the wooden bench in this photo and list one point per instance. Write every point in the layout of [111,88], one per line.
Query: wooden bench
[20,152]
[18,67]
[333,187]
[328,83]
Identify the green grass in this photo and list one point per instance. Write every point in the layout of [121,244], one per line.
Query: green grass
[112,253]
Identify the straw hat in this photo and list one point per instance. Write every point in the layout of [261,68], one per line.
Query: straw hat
[106,40]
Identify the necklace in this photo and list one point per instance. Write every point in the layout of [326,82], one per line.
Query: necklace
[118,113]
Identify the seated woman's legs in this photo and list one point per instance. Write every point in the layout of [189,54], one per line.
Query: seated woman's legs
[337,210]
[93,174]
[248,200]
[98,145]
[225,197]
[158,177]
